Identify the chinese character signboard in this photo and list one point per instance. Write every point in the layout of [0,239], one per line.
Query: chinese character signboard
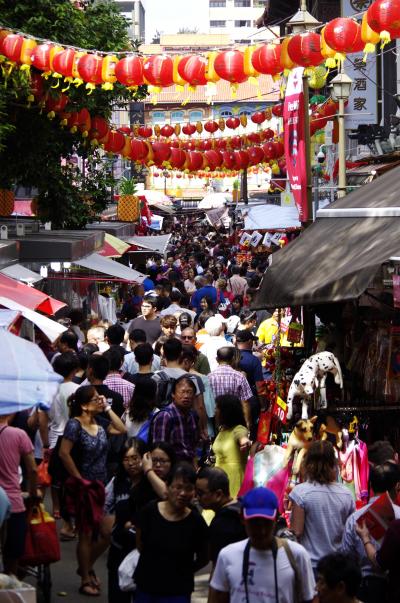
[362,106]
[294,140]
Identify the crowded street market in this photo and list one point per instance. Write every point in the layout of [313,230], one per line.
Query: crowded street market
[199,287]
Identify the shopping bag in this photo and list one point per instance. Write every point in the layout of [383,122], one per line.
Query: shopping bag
[41,543]
[248,479]
[264,427]
[126,570]
[43,476]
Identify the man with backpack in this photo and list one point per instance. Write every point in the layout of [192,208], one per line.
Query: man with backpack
[263,568]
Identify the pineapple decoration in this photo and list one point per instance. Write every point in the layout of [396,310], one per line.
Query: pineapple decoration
[7,198]
[129,203]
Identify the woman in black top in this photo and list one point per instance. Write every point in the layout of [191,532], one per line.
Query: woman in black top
[172,540]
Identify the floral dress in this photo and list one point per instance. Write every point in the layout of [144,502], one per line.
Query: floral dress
[90,452]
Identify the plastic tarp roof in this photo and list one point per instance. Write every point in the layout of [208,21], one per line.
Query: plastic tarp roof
[49,327]
[20,273]
[336,258]
[99,264]
[28,296]
[113,246]
[270,217]
[26,376]
[158,243]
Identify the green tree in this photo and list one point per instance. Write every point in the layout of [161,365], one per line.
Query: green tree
[34,150]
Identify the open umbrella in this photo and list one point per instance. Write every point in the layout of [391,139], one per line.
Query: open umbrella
[26,376]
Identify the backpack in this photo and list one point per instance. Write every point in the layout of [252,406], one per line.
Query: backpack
[165,385]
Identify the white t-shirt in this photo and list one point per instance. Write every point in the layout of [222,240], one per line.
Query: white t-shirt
[58,412]
[227,576]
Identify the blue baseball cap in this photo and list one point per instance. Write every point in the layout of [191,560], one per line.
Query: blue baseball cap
[260,502]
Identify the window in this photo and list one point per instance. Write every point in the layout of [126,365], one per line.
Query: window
[217,3]
[195,116]
[242,23]
[226,113]
[158,117]
[217,23]
[177,117]
[245,111]
[242,3]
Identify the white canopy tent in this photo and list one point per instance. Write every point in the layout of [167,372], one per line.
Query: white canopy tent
[20,273]
[158,243]
[214,200]
[270,217]
[104,265]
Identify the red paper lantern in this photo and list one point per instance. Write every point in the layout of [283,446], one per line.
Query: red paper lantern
[178,158]
[139,150]
[162,152]
[211,126]
[189,129]
[241,160]
[343,35]
[269,151]
[279,148]
[167,130]
[90,68]
[383,16]
[214,159]
[191,145]
[205,145]
[57,103]
[41,57]
[232,123]
[267,59]
[99,128]
[84,121]
[36,86]
[229,65]
[268,133]
[221,144]
[145,131]
[129,71]
[192,69]
[254,137]
[158,71]
[12,46]
[229,160]
[236,142]
[63,62]
[256,155]
[178,175]
[305,49]
[195,160]
[115,142]
[258,118]
[277,110]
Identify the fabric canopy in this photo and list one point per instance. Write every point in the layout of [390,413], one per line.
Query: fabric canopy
[214,200]
[158,243]
[50,328]
[270,217]
[113,247]
[336,258]
[20,273]
[99,264]
[26,376]
[28,296]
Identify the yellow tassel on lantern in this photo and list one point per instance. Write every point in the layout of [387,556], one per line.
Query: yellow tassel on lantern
[385,38]
[234,89]
[107,86]
[89,86]
[51,115]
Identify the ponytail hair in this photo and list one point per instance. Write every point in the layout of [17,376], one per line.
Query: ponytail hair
[79,398]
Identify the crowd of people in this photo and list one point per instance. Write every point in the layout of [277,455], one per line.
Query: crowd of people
[147,441]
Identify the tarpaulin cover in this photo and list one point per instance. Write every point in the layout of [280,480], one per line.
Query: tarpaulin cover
[28,296]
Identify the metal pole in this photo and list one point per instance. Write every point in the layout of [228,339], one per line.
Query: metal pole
[342,151]
[316,196]
[244,195]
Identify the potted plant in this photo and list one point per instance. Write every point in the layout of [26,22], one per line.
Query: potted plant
[236,190]
[128,203]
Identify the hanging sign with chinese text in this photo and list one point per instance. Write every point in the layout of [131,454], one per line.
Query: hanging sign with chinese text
[363,102]
[294,140]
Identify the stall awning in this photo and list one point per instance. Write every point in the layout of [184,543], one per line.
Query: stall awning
[99,264]
[20,273]
[28,296]
[50,328]
[336,258]
[113,247]
[157,244]
[270,217]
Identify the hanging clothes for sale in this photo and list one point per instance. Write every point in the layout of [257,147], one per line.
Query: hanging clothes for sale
[354,469]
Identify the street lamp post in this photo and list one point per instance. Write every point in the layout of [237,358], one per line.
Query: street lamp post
[341,87]
[165,174]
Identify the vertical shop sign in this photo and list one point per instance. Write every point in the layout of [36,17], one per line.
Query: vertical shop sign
[362,107]
[294,140]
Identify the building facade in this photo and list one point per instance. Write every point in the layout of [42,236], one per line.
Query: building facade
[135,12]
[237,18]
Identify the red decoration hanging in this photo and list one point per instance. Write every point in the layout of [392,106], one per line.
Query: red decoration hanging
[158,70]
[12,46]
[269,151]
[305,49]
[115,142]
[214,159]
[241,159]
[259,117]
[254,137]
[383,16]
[139,150]
[177,158]
[167,131]
[195,160]
[90,68]
[57,103]
[99,128]
[205,145]
[63,62]
[235,142]
[232,123]
[162,152]
[129,71]
[192,69]
[211,126]
[229,65]
[277,110]
[229,160]
[256,155]
[41,57]
[267,59]
[189,129]
[343,35]
[145,131]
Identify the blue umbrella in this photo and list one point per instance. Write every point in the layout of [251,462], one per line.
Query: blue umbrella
[26,376]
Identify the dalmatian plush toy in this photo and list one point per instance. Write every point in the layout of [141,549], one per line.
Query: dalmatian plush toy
[312,374]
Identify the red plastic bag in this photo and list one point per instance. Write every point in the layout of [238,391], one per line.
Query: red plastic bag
[264,427]
[41,543]
[43,476]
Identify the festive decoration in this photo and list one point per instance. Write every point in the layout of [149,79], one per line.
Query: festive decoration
[158,71]
[343,35]
[368,36]
[192,69]
[383,17]
[305,49]
[229,65]
[266,59]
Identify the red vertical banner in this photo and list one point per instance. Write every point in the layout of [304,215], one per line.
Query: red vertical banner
[294,140]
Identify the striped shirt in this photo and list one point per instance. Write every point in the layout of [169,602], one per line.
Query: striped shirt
[115,382]
[178,429]
[226,380]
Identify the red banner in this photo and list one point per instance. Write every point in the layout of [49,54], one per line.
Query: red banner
[294,140]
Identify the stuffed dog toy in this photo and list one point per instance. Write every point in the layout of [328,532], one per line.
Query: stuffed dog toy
[299,441]
[312,374]
[330,427]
